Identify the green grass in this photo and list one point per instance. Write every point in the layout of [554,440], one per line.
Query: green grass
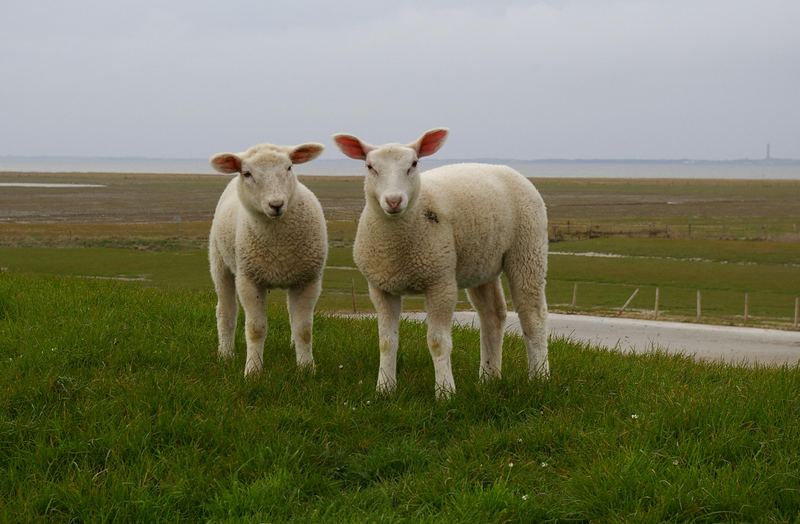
[113,406]
[168,269]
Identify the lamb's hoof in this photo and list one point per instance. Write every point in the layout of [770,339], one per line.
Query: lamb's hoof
[445,392]
[486,375]
[385,387]
[539,373]
[307,366]
[251,370]
[225,354]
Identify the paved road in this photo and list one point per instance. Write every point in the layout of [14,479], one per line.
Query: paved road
[736,345]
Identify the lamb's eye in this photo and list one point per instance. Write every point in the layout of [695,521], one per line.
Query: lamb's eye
[289,168]
[414,163]
[247,174]
[372,169]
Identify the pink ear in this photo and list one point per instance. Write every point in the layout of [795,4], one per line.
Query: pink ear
[430,142]
[352,146]
[305,152]
[226,163]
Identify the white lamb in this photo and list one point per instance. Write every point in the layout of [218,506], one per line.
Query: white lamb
[452,227]
[268,232]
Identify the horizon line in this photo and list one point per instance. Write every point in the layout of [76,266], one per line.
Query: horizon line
[443,159]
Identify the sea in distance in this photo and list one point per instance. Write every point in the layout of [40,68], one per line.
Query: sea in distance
[774,169]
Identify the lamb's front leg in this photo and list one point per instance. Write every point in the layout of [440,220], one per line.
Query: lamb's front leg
[253,298]
[301,302]
[440,302]
[388,308]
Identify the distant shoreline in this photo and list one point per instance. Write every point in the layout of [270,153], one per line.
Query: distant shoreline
[750,169]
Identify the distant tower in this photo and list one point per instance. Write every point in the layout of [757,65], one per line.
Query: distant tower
[768,157]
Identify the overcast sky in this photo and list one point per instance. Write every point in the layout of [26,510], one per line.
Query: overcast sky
[514,79]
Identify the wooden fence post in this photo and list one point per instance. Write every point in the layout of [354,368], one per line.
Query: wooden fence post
[353,293]
[628,301]
[699,306]
[574,294]
[796,311]
[746,306]
[655,309]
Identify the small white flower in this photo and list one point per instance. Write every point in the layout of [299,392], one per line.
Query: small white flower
[519,440]
[544,464]
[510,464]
[369,402]
[524,497]
[675,462]
[353,408]
[634,416]
[341,366]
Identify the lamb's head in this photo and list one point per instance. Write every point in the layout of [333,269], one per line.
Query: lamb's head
[392,180]
[266,182]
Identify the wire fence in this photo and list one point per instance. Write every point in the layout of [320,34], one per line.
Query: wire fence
[700,305]
[713,306]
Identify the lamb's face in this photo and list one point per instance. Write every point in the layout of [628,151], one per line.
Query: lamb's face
[392,179]
[267,184]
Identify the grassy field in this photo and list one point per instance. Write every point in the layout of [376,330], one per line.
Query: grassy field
[725,238]
[577,208]
[604,283]
[672,208]
[114,407]
[693,250]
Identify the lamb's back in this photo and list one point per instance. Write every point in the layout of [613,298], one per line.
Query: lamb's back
[486,206]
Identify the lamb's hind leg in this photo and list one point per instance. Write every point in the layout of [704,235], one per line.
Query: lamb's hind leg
[227,308]
[527,273]
[490,303]
[301,302]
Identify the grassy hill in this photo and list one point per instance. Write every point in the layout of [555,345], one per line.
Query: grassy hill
[113,406]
